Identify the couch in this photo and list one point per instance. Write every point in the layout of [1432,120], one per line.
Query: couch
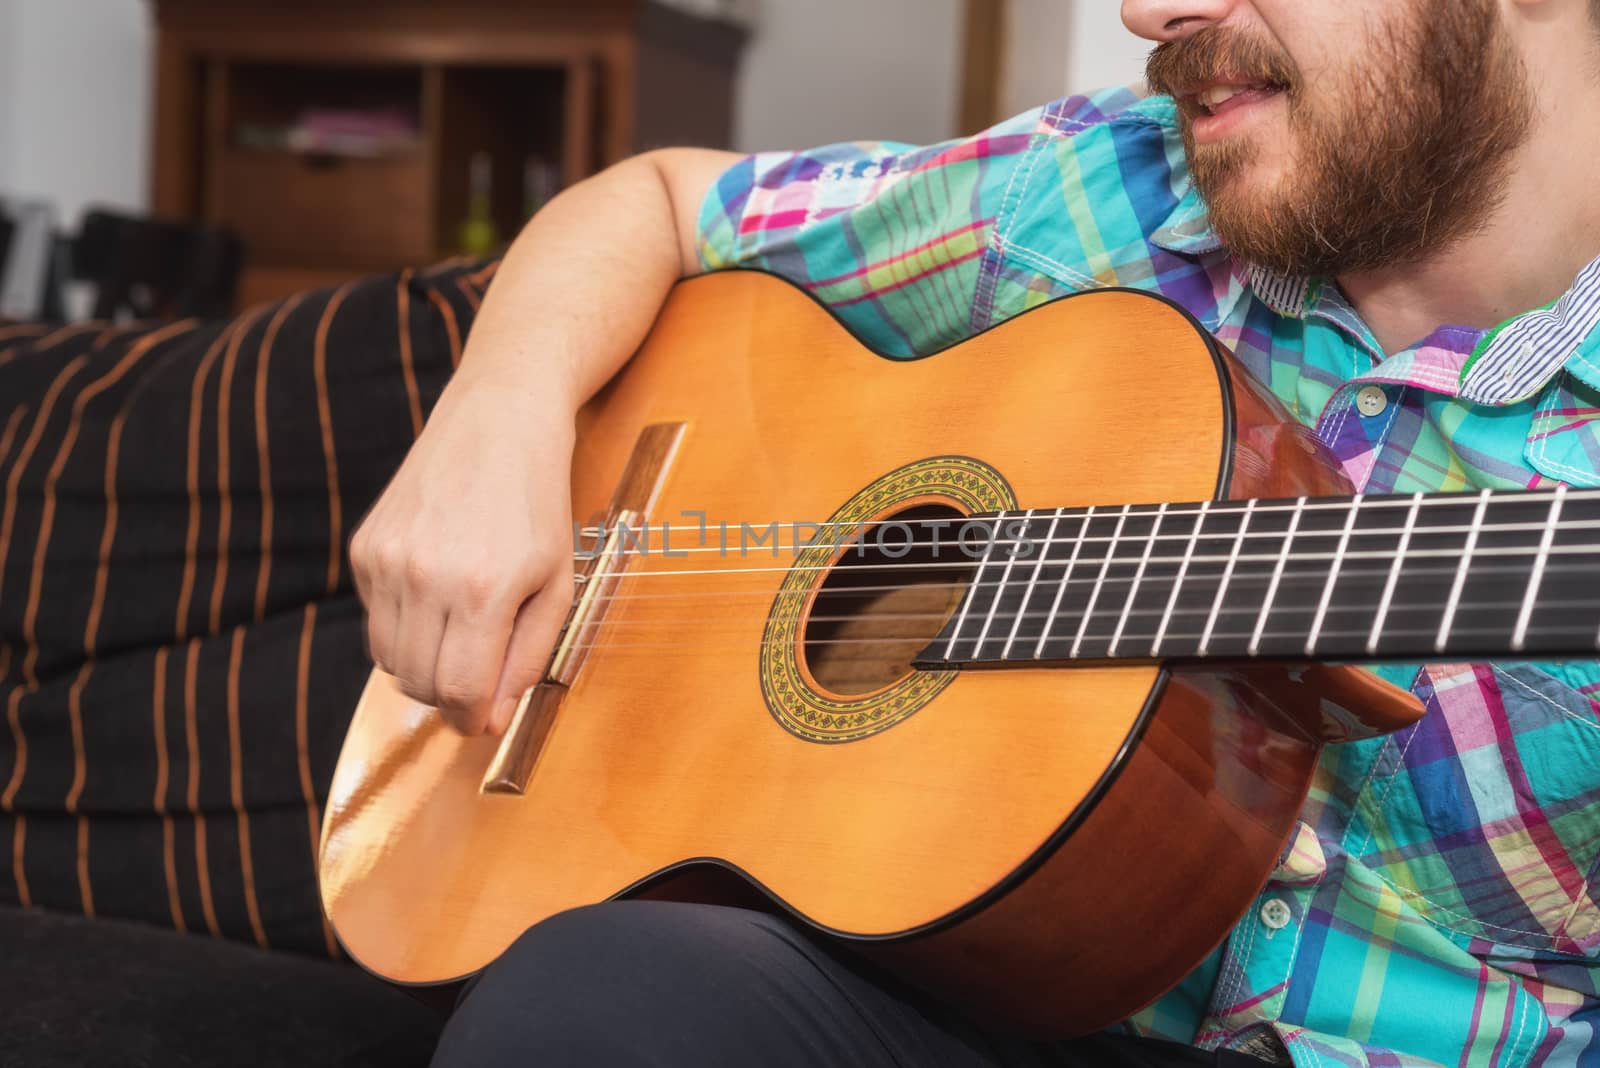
[180,651]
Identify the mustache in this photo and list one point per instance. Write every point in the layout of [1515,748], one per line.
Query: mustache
[1217,53]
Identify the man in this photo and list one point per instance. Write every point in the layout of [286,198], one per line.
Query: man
[1363,200]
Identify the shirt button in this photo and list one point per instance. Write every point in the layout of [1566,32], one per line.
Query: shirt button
[1372,401]
[1276,914]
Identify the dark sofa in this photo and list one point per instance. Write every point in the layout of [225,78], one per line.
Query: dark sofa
[180,652]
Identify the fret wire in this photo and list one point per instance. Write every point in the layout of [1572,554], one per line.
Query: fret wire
[1005,577]
[966,602]
[1094,597]
[1066,580]
[1133,591]
[1177,584]
[1473,533]
[1277,577]
[1227,576]
[1394,574]
[1033,581]
[1519,637]
[1333,575]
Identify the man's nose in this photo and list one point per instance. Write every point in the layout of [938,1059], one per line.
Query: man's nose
[1168,20]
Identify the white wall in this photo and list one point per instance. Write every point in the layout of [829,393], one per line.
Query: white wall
[1100,50]
[75,102]
[819,71]
[1038,36]
[8,87]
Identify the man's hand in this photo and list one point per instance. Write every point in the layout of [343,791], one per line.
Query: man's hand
[465,563]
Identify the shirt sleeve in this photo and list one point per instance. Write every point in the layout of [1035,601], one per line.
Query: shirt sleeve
[891,237]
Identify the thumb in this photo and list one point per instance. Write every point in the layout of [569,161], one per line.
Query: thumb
[533,638]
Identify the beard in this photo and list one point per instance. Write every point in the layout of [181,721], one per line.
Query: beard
[1406,152]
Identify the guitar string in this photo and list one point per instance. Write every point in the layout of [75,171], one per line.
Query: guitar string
[1171,639]
[958,543]
[1221,508]
[1314,578]
[1106,613]
[1592,549]
[1586,631]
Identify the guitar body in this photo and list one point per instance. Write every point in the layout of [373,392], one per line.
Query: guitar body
[1052,848]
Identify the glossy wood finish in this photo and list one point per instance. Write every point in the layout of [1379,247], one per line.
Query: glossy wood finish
[911,843]
[1190,827]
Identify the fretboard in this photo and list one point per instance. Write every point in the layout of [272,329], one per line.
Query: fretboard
[1360,578]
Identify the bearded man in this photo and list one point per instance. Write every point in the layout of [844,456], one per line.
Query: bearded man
[1384,208]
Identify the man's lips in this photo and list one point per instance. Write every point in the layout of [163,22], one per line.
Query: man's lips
[1219,110]
[1218,98]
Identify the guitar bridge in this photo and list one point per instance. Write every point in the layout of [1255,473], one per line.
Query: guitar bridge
[535,717]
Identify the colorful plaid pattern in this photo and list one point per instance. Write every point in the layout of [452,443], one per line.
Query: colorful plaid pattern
[1440,895]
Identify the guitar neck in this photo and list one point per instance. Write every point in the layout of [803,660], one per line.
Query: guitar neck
[1353,578]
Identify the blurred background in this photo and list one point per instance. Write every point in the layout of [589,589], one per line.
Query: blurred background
[201,156]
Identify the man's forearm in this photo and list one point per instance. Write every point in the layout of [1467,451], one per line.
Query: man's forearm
[581,285]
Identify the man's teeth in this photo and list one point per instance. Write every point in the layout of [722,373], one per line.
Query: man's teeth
[1221,94]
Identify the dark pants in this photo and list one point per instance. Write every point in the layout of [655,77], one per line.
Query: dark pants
[658,984]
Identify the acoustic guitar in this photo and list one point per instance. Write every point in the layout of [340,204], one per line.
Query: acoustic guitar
[884,646]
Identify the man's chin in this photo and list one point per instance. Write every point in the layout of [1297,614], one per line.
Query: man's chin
[1237,178]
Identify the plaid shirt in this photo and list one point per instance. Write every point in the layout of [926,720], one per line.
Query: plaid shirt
[1437,905]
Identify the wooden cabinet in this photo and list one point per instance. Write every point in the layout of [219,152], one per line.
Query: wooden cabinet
[555,87]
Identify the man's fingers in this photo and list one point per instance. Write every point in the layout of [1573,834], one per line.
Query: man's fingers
[468,668]
[419,628]
[533,638]
[383,618]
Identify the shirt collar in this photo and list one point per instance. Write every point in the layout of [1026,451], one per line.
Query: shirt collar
[1516,359]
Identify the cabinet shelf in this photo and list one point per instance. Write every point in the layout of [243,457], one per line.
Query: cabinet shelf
[545,87]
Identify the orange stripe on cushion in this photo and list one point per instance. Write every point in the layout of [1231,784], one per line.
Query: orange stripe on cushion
[19,741]
[169,860]
[325,414]
[264,464]
[247,866]
[64,333]
[302,747]
[408,367]
[219,581]
[113,453]
[84,889]
[464,285]
[450,326]
[23,330]
[19,874]
[36,580]
[8,438]
[47,407]
[192,539]
[80,768]
[191,732]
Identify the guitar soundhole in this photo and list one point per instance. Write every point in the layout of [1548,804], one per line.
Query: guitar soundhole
[886,598]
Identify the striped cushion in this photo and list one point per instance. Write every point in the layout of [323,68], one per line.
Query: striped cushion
[180,646]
